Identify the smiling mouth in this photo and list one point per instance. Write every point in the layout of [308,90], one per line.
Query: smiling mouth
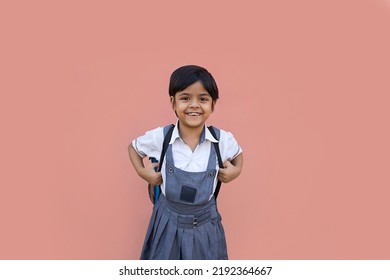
[193,114]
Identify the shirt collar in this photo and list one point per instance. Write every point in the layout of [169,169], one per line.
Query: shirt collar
[206,134]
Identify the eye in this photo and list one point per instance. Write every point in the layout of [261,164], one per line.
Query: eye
[204,99]
[184,98]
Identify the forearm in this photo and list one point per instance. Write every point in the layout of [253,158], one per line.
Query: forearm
[147,173]
[238,161]
[136,160]
[231,170]
[236,165]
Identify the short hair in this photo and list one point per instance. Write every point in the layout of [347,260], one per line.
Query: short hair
[187,75]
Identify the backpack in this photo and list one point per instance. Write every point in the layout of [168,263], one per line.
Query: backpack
[154,191]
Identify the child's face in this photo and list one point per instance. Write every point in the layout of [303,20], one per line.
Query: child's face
[193,105]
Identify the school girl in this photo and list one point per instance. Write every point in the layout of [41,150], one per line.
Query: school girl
[185,222]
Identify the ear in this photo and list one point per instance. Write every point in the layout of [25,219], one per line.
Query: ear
[213,105]
[173,103]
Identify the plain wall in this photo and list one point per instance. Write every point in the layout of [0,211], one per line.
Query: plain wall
[304,88]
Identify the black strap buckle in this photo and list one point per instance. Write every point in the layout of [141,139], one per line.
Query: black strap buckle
[195,222]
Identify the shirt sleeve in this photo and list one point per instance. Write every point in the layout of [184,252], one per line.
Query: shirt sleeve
[229,146]
[149,144]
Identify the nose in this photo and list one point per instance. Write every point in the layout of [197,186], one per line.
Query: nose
[194,104]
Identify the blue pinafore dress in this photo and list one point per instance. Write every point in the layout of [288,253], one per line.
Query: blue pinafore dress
[185,223]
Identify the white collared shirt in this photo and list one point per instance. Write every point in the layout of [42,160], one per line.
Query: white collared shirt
[150,145]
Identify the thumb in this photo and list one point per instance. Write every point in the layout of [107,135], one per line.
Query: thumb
[154,165]
[226,164]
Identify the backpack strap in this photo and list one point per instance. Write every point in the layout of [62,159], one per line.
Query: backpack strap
[154,191]
[167,137]
[216,133]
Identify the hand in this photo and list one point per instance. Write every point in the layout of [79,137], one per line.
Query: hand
[150,175]
[228,173]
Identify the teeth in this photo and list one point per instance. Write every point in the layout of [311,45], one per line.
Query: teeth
[193,114]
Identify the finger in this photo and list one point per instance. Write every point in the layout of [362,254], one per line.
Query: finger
[221,175]
[153,165]
[221,172]
[226,164]
[157,179]
[223,179]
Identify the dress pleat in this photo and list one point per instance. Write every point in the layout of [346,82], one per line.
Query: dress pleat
[169,239]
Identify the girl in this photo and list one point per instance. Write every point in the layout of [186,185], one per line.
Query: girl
[185,222]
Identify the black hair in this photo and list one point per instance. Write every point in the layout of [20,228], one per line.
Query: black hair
[186,75]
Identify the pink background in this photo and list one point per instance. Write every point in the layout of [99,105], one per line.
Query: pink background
[304,88]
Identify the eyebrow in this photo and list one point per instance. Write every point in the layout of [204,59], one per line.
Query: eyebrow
[201,94]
